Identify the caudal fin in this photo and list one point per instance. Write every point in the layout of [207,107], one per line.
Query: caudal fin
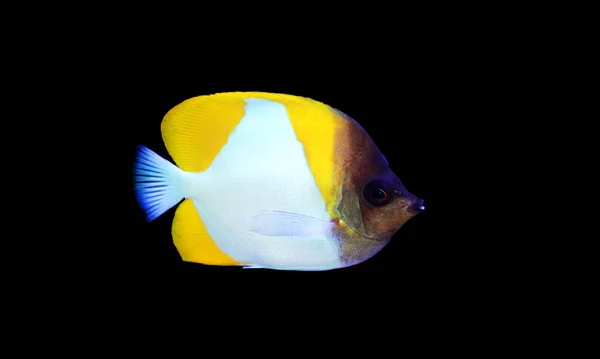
[157,183]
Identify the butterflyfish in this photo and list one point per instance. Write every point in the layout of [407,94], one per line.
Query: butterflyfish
[273,181]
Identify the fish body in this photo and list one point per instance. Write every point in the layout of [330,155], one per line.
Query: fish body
[271,181]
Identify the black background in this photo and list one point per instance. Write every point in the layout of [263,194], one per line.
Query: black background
[422,101]
[433,88]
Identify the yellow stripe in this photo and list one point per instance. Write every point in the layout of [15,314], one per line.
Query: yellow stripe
[315,127]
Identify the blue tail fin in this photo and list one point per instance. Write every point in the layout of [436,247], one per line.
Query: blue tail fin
[157,183]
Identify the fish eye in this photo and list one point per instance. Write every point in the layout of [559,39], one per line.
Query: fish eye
[376,193]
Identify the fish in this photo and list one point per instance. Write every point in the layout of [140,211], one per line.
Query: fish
[271,181]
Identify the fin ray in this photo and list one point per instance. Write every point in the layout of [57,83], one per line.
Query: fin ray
[155,183]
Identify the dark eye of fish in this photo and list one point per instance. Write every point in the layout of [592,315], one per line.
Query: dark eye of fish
[376,193]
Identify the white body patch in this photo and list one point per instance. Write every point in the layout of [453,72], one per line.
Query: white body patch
[263,168]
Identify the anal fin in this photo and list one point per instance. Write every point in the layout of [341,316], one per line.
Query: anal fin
[193,241]
[279,223]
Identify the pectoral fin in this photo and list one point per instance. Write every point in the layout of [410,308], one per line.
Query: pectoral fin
[278,223]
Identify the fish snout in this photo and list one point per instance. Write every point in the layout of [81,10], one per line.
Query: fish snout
[416,206]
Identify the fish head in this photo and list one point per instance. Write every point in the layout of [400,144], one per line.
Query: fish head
[374,202]
[385,205]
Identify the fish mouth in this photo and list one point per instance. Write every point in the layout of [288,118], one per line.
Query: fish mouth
[415,207]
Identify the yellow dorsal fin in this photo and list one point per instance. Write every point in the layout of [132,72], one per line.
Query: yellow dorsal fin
[192,240]
[195,130]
